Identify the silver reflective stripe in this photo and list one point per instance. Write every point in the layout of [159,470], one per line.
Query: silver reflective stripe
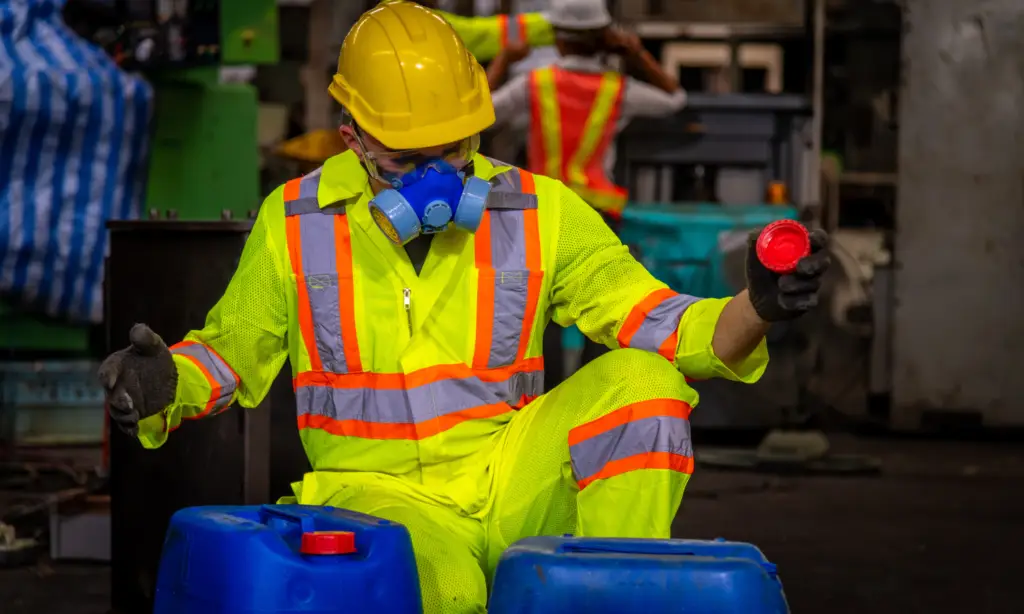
[661,322]
[523,386]
[418,404]
[224,378]
[301,206]
[307,201]
[508,257]
[512,29]
[498,199]
[655,434]
[507,190]
[320,267]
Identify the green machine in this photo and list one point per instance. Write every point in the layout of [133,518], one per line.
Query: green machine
[204,155]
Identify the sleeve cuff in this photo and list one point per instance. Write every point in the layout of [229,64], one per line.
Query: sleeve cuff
[695,357]
[153,431]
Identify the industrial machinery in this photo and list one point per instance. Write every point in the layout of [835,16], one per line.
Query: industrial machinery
[727,164]
[198,54]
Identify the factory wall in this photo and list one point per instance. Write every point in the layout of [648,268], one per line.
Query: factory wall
[957,325]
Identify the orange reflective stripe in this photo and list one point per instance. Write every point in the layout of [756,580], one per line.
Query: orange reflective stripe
[630,413]
[653,325]
[647,460]
[346,293]
[636,317]
[291,189]
[421,377]
[214,389]
[653,434]
[503,31]
[668,348]
[320,248]
[485,293]
[506,35]
[407,431]
[294,236]
[222,379]
[521,28]
[531,231]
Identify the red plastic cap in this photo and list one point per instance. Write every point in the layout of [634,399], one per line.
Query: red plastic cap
[328,542]
[782,244]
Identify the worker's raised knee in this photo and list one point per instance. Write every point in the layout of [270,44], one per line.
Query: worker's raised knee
[618,362]
[648,374]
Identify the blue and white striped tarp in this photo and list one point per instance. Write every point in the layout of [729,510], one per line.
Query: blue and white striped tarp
[73,144]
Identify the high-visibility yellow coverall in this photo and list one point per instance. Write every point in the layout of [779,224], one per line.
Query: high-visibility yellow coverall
[419,397]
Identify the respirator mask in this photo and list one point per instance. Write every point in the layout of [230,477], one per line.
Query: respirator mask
[428,194]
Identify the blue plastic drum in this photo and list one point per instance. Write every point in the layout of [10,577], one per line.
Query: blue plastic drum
[285,558]
[553,575]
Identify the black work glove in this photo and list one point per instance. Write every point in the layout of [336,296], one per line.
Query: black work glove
[140,380]
[783,297]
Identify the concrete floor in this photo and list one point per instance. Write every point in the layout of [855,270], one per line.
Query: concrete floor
[936,533]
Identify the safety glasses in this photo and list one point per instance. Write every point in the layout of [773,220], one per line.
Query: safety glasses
[390,165]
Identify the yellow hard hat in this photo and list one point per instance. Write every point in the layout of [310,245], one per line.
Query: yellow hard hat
[408,80]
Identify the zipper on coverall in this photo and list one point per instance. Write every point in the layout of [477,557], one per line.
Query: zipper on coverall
[407,303]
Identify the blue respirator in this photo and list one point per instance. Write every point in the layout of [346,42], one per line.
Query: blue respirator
[429,199]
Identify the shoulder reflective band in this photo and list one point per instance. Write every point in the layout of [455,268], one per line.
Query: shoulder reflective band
[508,258]
[653,324]
[219,375]
[320,250]
[649,435]
[300,195]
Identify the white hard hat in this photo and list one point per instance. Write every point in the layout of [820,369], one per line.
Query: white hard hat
[579,14]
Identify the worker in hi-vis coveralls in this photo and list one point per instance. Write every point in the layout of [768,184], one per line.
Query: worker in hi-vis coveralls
[409,281]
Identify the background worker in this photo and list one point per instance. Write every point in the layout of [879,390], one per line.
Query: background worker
[574,109]
[419,388]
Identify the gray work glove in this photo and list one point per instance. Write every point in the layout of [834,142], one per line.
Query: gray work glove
[140,380]
[784,297]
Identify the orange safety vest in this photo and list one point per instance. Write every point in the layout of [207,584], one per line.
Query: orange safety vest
[572,122]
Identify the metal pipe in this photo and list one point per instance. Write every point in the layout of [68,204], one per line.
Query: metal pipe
[813,198]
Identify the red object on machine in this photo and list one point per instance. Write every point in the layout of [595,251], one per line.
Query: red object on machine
[782,244]
[328,542]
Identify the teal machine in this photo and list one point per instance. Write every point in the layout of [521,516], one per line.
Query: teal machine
[737,151]
[726,165]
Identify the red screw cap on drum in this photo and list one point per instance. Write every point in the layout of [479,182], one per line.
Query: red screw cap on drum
[782,244]
[328,542]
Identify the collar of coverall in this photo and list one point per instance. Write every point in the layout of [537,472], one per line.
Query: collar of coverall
[344,178]
[581,63]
